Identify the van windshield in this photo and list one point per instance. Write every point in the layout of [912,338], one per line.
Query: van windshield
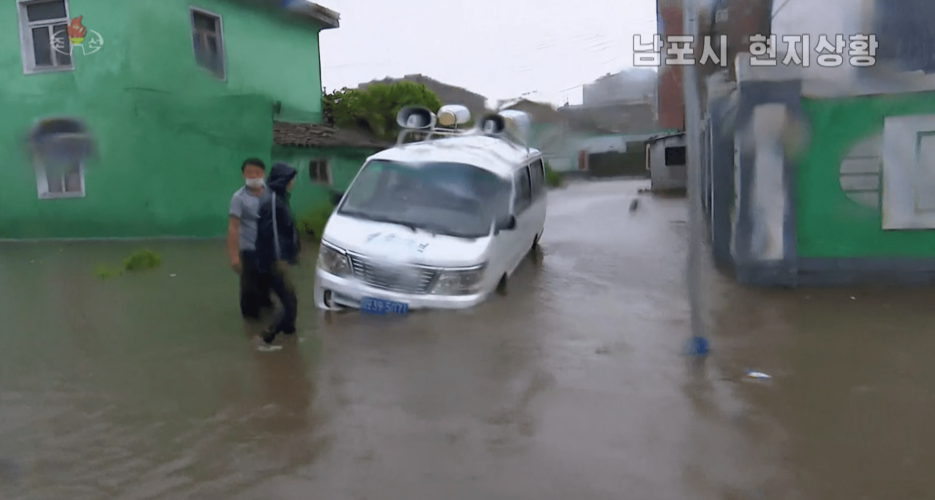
[454,199]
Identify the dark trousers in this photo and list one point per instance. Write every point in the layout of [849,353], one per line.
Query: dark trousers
[285,291]
[254,286]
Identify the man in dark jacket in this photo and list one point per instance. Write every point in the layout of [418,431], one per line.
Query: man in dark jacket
[277,247]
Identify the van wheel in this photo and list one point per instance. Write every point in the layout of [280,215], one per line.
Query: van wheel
[535,242]
[502,285]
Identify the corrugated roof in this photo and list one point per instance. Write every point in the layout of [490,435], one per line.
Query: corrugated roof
[664,136]
[316,135]
[320,16]
[328,18]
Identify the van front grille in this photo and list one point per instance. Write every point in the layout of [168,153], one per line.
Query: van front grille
[393,277]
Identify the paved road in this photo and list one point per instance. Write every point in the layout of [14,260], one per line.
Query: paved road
[573,386]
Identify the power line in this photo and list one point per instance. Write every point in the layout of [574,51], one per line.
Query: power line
[778,9]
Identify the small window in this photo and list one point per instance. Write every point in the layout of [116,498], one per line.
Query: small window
[59,147]
[676,156]
[537,178]
[523,191]
[319,172]
[44,43]
[208,42]
[60,181]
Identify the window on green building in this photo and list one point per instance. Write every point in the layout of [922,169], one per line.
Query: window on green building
[319,172]
[44,44]
[59,149]
[208,42]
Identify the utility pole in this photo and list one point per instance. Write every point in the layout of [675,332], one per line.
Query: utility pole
[699,343]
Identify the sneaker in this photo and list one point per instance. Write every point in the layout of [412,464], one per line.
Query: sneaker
[268,335]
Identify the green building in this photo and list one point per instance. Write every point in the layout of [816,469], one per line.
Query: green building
[823,182]
[176,95]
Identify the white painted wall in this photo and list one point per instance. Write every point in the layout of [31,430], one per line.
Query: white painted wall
[769,198]
[666,177]
[908,200]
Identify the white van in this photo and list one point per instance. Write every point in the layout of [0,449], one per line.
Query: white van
[438,223]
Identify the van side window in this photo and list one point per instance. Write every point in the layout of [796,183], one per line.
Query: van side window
[523,191]
[537,178]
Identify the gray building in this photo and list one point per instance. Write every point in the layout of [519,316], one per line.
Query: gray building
[626,86]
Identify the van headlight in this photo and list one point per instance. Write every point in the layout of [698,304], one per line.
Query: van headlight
[459,281]
[333,260]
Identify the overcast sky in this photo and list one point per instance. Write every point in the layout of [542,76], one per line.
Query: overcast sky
[499,48]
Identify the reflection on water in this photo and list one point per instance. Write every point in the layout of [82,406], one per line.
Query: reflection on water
[147,386]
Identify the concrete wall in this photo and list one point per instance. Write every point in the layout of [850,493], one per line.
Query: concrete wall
[764,243]
[563,155]
[719,169]
[171,137]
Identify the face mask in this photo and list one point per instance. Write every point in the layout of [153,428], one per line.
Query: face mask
[255,183]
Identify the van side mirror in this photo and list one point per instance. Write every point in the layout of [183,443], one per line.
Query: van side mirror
[336,197]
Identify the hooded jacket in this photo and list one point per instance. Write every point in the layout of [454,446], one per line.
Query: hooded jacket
[277,238]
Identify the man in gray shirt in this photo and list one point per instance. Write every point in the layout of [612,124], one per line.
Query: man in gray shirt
[241,239]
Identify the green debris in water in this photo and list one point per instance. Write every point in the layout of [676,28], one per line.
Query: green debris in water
[142,259]
[104,272]
[138,260]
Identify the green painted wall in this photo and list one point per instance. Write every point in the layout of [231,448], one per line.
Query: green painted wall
[828,223]
[308,195]
[171,136]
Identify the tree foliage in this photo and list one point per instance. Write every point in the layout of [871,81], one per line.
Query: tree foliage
[374,108]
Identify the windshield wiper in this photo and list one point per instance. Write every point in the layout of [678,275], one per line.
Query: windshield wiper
[437,229]
[364,215]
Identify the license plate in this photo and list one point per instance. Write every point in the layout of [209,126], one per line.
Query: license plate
[372,305]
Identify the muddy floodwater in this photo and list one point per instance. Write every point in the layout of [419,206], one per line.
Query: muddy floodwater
[147,386]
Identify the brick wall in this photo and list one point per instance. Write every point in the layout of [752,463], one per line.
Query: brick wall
[669,91]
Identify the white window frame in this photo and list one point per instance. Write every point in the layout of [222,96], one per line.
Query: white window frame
[27,49]
[901,134]
[42,184]
[316,162]
[222,53]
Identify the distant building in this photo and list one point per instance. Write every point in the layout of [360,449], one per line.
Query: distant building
[618,118]
[601,140]
[624,86]
[447,94]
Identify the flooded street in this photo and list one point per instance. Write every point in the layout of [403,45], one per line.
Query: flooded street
[147,386]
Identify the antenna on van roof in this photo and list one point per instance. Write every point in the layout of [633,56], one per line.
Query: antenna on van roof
[420,120]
